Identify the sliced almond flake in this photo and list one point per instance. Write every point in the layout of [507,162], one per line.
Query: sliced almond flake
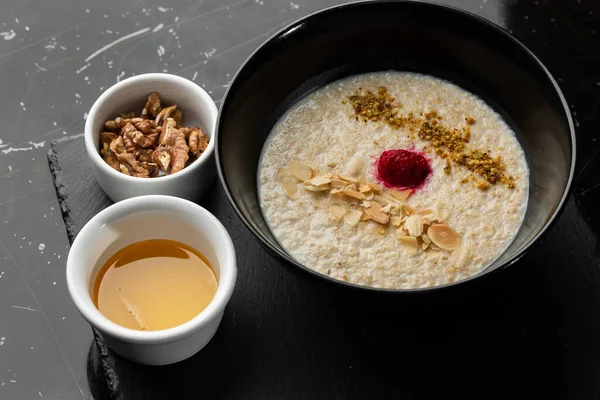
[283,171]
[414,225]
[352,217]
[338,183]
[426,238]
[382,230]
[365,217]
[366,203]
[441,212]
[374,211]
[374,187]
[290,186]
[424,245]
[410,243]
[408,210]
[370,196]
[347,178]
[351,186]
[401,194]
[387,208]
[300,170]
[396,221]
[365,189]
[334,191]
[427,221]
[353,193]
[337,211]
[328,175]
[320,202]
[444,237]
[318,181]
[433,247]
[381,200]
[315,188]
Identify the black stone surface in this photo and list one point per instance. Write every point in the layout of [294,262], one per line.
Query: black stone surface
[536,323]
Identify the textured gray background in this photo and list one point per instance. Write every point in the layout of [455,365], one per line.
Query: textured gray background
[56,57]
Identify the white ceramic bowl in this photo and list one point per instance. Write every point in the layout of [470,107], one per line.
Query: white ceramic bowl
[142,218]
[130,95]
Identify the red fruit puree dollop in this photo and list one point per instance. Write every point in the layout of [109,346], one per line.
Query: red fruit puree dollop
[404,169]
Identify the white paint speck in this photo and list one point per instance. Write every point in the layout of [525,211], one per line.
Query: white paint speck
[40,393]
[158,27]
[122,74]
[111,44]
[160,50]
[41,246]
[163,9]
[14,149]
[54,283]
[38,144]
[26,28]
[86,78]
[87,10]
[85,116]
[39,67]
[8,35]
[176,19]
[80,70]
[294,6]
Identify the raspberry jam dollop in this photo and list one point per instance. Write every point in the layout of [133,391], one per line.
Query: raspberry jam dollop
[403,169]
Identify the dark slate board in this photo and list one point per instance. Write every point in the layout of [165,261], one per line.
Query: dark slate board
[528,331]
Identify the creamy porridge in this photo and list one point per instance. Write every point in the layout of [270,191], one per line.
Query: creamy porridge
[393,180]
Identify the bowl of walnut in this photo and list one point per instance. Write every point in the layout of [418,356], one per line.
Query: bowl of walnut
[152,134]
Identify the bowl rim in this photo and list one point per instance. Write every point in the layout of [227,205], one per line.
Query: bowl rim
[361,288]
[116,211]
[92,148]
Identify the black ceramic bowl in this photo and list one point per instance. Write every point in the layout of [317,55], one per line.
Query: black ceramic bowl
[407,36]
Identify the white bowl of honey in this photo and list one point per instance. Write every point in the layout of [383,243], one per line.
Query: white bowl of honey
[153,275]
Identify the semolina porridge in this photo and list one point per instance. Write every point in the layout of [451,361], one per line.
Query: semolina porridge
[393,180]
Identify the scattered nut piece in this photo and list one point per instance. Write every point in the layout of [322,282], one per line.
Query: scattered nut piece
[414,225]
[483,185]
[290,186]
[152,107]
[375,187]
[365,188]
[337,211]
[444,237]
[374,211]
[401,194]
[300,171]
[410,243]
[338,183]
[396,221]
[347,178]
[353,193]
[352,217]
[197,141]
[441,212]
[319,181]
